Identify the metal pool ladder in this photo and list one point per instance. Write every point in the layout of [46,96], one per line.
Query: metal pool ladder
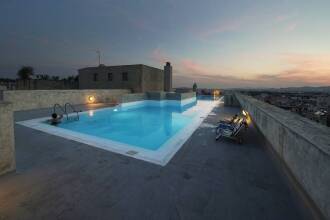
[65,110]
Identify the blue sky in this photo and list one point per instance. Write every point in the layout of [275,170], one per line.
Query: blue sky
[216,43]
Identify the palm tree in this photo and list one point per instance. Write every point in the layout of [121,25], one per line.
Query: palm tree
[25,72]
[195,87]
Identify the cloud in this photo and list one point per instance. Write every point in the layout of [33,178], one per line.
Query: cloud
[298,70]
[282,18]
[291,27]
[228,26]
[189,65]
[159,56]
[303,69]
[295,70]
[224,26]
[288,20]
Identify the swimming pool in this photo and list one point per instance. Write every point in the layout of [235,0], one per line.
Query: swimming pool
[144,126]
[149,130]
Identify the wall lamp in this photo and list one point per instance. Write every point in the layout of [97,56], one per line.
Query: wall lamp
[91,99]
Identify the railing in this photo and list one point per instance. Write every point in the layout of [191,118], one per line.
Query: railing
[73,110]
[65,111]
[59,107]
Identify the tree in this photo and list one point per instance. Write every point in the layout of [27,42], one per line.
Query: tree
[55,78]
[195,87]
[42,77]
[25,72]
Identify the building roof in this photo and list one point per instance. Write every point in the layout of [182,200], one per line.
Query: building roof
[104,66]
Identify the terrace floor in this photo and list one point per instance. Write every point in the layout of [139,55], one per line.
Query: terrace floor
[61,179]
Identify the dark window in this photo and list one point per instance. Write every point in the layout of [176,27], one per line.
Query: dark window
[125,76]
[95,76]
[109,76]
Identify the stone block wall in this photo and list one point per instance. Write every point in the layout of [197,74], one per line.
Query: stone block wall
[7,145]
[156,95]
[230,99]
[34,99]
[303,145]
[133,97]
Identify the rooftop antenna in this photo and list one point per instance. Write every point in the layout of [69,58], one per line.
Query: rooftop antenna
[99,56]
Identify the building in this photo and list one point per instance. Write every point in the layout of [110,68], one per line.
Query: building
[7,84]
[137,78]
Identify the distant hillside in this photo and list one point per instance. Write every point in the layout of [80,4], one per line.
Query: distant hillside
[322,89]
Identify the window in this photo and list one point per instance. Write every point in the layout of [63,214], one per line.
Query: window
[109,76]
[95,76]
[125,76]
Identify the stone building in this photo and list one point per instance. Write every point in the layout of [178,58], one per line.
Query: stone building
[137,78]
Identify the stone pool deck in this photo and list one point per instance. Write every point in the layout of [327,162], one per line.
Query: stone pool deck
[62,179]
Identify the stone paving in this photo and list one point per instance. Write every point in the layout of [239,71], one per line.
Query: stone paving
[62,179]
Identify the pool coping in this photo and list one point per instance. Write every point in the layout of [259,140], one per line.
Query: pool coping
[161,156]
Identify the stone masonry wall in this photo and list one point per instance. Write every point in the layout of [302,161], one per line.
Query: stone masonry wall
[7,145]
[157,96]
[34,99]
[303,145]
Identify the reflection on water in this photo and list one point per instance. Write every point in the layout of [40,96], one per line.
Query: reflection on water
[144,126]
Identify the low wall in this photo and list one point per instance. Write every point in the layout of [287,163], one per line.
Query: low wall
[180,96]
[133,97]
[230,99]
[34,99]
[169,95]
[158,96]
[7,146]
[303,145]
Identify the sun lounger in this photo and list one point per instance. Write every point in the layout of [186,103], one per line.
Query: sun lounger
[231,130]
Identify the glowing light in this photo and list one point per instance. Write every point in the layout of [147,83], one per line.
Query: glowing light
[91,113]
[91,99]
[216,93]
[115,110]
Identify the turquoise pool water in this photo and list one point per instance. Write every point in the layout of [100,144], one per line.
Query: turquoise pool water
[207,97]
[148,127]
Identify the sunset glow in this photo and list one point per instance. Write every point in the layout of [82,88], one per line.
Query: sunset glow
[214,43]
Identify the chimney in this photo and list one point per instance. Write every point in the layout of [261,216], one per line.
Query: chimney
[168,77]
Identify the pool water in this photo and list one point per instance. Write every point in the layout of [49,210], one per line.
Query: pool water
[148,130]
[207,97]
[148,127]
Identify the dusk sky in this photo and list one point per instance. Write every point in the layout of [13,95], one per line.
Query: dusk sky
[242,43]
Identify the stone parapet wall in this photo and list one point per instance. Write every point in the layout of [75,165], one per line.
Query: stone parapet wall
[133,97]
[303,145]
[187,95]
[230,99]
[34,99]
[7,146]
[158,96]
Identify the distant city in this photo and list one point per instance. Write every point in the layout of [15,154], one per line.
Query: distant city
[310,102]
